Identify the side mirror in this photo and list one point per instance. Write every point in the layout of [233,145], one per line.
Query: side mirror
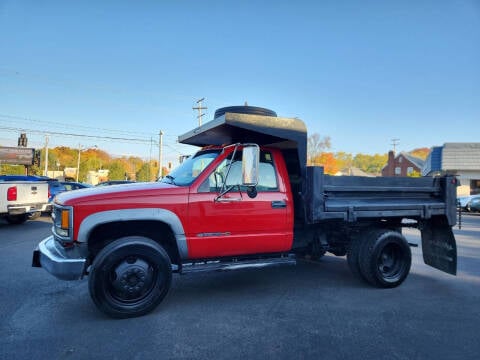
[250,165]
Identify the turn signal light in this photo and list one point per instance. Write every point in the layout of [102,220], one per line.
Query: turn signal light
[65,220]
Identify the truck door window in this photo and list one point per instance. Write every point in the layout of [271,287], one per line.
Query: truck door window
[267,180]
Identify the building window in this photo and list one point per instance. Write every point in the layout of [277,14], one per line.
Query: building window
[400,158]
[409,170]
[398,170]
[474,187]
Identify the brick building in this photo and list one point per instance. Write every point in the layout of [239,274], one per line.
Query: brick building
[403,164]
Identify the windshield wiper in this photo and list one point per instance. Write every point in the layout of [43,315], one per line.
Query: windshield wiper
[171,178]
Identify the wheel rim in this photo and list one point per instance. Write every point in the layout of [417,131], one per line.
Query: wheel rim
[131,280]
[391,262]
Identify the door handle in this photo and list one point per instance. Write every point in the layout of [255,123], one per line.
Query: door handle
[279,204]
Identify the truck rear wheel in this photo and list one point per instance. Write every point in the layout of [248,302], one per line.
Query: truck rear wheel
[130,277]
[17,219]
[385,258]
[353,254]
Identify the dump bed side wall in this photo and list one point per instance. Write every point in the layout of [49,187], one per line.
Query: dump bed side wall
[352,198]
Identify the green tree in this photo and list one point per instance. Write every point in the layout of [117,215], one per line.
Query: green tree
[6,169]
[372,164]
[117,170]
[145,173]
[344,160]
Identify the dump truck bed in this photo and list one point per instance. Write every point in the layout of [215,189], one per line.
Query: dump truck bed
[352,198]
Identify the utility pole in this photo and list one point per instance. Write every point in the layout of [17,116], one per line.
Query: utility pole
[78,160]
[395,142]
[160,155]
[46,155]
[200,108]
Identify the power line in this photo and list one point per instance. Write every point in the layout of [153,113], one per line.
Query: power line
[140,141]
[42,132]
[70,125]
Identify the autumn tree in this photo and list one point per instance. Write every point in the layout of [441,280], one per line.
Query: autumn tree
[328,161]
[421,153]
[315,146]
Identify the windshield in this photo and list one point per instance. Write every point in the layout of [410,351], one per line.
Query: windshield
[189,170]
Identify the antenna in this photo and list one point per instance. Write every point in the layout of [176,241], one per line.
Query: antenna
[395,143]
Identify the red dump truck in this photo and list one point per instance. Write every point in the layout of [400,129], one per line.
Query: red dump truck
[246,199]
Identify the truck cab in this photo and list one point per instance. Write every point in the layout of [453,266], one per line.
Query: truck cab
[224,217]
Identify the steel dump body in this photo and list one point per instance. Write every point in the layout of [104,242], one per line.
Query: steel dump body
[352,198]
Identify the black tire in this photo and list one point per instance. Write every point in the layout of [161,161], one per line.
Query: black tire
[130,277]
[250,110]
[385,258]
[353,253]
[17,219]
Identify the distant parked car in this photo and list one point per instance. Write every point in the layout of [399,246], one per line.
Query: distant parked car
[114,182]
[23,178]
[464,201]
[54,186]
[72,185]
[474,205]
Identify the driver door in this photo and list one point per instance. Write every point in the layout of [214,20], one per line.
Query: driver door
[235,224]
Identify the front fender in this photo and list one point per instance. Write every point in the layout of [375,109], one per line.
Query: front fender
[166,216]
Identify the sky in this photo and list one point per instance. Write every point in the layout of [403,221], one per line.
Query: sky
[113,74]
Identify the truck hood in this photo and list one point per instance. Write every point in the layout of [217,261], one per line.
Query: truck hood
[110,192]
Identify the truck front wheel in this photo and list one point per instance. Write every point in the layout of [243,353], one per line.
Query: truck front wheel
[385,258]
[130,277]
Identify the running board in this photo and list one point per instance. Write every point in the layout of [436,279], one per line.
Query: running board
[207,266]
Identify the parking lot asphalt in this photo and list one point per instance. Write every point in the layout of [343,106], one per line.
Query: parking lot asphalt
[309,311]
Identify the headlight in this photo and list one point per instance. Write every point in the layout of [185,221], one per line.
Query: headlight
[62,222]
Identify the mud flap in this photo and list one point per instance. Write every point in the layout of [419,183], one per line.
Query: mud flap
[439,246]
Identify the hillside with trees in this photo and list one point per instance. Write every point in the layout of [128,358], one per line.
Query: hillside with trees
[318,154]
[136,168]
[91,159]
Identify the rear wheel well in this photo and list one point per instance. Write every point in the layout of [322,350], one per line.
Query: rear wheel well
[158,231]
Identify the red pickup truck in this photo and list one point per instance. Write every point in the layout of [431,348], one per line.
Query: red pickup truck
[246,199]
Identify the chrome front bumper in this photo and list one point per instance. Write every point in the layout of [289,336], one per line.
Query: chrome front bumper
[64,264]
